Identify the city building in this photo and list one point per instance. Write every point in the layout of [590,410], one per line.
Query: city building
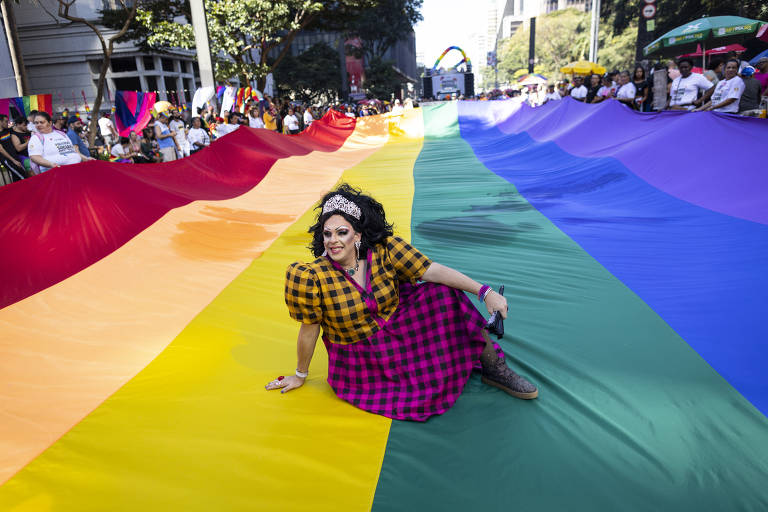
[64,59]
[8,88]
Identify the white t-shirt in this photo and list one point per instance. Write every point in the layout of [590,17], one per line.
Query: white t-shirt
[255,122]
[579,92]
[118,150]
[685,90]
[627,91]
[604,92]
[224,129]
[552,96]
[308,119]
[349,114]
[291,122]
[54,147]
[198,135]
[104,126]
[177,125]
[726,89]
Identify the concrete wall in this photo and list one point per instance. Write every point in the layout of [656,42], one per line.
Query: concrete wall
[7,78]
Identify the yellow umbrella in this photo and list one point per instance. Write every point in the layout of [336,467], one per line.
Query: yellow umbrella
[582,67]
[161,106]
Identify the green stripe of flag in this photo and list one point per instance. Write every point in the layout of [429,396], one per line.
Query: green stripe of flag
[629,416]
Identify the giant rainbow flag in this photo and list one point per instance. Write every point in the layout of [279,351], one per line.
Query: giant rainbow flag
[142,313]
[23,105]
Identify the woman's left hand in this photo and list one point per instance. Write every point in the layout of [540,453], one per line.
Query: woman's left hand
[496,302]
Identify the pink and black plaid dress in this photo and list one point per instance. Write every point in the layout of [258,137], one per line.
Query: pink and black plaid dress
[396,348]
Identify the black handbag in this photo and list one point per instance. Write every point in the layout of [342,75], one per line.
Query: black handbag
[495,324]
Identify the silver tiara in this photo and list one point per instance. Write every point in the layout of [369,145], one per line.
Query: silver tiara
[340,203]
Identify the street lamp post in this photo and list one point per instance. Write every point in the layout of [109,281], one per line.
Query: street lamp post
[496,62]
[200,27]
[594,31]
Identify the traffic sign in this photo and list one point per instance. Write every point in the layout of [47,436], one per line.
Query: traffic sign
[649,11]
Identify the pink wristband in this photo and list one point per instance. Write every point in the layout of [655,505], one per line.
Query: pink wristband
[483,292]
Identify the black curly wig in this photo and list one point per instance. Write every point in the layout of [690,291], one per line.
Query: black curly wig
[373,225]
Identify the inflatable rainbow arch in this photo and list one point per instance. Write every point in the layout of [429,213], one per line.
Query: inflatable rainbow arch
[141,314]
[445,52]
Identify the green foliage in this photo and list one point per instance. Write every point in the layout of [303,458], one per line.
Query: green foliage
[617,50]
[312,76]
[156,10]
[620,13]
[383,25]
[236,28]
[381,80]
[563,37]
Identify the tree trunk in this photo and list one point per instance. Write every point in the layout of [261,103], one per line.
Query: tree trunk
[97,101]
[261,81]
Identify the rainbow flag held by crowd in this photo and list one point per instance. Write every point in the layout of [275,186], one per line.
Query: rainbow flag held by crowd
[142,312]
[133,111]
[23,105]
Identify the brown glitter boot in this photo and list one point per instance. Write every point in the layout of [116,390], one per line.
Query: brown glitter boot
[499,375]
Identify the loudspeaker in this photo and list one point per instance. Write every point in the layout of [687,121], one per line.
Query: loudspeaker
[426,82]
[469,85]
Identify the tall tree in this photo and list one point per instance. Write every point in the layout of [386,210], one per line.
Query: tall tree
[382,26]
[312,76]
[379,29]
[249,38]
[129,9]
[563,37]
[381,80]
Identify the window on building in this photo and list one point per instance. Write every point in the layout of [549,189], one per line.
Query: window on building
[188,88]
[195,69]
[188,68]
[128,83]
[168,65]
[151,82]
[149,62]
[551,5]
[123,64]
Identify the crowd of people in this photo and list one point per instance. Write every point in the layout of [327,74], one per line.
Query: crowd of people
[39,142]
[36,143]
[727,85]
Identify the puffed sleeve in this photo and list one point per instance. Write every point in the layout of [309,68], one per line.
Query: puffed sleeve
[409,263]
[302,294]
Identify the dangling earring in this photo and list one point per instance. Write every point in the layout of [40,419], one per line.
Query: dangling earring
[357,249]
[325,253]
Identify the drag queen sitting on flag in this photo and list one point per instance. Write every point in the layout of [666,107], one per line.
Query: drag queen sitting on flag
[396,347]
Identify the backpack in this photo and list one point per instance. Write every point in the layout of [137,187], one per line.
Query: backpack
[27,162]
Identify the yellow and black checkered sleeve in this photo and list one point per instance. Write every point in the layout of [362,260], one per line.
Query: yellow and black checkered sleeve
[409,263]
[302,294]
